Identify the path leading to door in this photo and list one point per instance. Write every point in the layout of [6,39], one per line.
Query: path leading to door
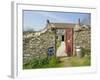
[61,50]
[75,61]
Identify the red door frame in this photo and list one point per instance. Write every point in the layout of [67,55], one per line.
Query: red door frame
[69,41]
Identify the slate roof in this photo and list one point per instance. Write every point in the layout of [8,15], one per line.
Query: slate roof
[62,25]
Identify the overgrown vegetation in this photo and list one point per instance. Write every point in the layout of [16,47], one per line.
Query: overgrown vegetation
[53,62]
[58,43]
[85,51]
[75,61]
[41,63]
[85,61]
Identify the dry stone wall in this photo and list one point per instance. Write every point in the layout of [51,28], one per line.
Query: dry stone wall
[36,46]
[82,38]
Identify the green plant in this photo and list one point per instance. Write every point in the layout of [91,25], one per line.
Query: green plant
[53,61]
[41,63]
[85,61]
[58,43]
[27,64]
[85,51]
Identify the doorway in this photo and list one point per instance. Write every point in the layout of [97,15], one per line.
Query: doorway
[69,41]
[62,37]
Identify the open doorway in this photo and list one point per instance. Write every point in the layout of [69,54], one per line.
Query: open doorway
[62,37]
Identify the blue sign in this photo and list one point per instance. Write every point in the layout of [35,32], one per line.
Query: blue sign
[50,51]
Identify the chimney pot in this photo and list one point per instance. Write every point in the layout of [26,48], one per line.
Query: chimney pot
[79,21]
[48,21]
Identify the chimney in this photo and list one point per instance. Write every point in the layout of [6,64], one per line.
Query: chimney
[48,21]
[79,21]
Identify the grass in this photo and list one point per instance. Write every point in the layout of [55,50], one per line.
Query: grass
[85,51]
[75,61]
[54,62]
[41,63]
[85,61]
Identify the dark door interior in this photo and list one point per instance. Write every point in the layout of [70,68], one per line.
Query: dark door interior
[62,37]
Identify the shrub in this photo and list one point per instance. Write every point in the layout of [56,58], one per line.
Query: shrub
[27,64]
[53,61]
[87,60]
[40,63]
[85,51]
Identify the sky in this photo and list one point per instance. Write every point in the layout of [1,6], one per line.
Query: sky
[37,20]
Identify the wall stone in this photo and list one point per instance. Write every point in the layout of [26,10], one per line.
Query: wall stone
[36,46]
[83,38]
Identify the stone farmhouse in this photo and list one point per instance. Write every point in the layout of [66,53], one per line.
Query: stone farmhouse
[70,36]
